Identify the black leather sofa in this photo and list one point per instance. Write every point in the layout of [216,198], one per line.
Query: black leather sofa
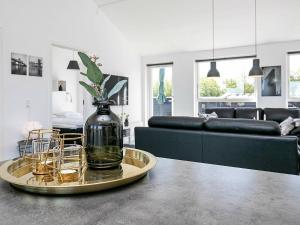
[274,114]
[243,143]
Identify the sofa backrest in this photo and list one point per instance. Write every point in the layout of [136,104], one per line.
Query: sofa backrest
[222,112]
[280,114]
[249,113]
[177,122]
[228,125]
[273,114]
[243,126]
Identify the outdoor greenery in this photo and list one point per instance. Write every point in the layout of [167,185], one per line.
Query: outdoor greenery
[294,78]
[210,88]
[248,88]
[168,88]
[295,75]
[230,83]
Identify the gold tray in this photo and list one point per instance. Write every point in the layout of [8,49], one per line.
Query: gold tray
[135,164]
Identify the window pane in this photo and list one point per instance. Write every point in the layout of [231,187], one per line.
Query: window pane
[162,91]
[294,76]
[234,82]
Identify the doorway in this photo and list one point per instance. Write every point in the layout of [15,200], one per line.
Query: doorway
[67,93]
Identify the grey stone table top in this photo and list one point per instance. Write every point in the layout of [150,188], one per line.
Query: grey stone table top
[175,192]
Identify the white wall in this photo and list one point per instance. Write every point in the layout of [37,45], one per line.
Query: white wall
[184,77]
[31,27]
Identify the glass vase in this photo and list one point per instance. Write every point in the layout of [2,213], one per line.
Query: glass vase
[103,138]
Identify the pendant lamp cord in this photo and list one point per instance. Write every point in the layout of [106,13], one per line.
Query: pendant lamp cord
[255,27]
[213,27]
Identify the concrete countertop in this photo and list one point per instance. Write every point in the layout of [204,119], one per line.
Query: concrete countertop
[175,192]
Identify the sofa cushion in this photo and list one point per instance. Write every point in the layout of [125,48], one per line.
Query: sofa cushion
[177,122]
[208,116]
[287,126]
[295,131]
[222,112]
[249,113]
[244,126]
[297,122]
[280,114]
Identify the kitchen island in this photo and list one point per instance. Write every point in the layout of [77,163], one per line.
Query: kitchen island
[174,192]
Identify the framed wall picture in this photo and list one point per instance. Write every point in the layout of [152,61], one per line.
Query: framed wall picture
[18,64]
[62,85]
[35,66]
[122,97]
[271,81]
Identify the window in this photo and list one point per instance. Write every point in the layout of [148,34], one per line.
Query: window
[233,89]
[161,93]
[234,82]
[294,75]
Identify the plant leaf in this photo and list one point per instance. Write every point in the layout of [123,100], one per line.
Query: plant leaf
[84,74]
[94,74]
[85,59]
[89,88]
[104,93]
[104,82]
[116,88]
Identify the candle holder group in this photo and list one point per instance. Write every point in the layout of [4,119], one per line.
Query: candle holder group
[55,156]
[59,166]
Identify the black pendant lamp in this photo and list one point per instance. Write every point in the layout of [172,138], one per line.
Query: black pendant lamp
[73,64]
[256,70]
[213,72]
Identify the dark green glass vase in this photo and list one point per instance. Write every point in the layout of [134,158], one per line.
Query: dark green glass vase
[103,138]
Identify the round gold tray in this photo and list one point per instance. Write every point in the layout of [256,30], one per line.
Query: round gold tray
[135,164]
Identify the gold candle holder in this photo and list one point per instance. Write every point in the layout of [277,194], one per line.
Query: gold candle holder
[45,153]
[71,161]
[68,175]
[45,167]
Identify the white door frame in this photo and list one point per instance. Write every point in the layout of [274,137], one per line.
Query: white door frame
[66,47]
[149,108]
[2,92]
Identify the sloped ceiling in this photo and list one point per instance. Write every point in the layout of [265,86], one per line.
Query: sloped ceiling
[165,26]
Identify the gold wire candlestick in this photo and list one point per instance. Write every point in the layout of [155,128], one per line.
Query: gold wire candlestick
[45,151]
[72,161]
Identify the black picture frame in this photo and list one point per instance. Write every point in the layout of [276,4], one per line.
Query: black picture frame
[271,81]
[122,97]
[35,66]
[19,64]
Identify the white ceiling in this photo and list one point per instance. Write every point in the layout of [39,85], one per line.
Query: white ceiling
[165,26]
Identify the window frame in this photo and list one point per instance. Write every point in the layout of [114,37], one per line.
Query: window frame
[290,98]
[149,68]
[221,99]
